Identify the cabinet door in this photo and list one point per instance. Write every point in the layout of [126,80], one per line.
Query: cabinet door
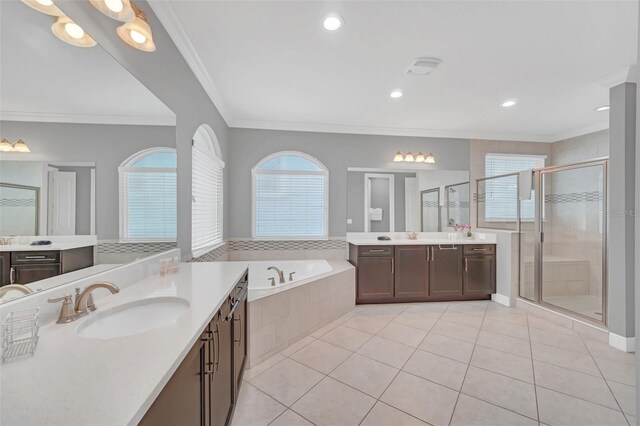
[375,279]
[5,268]
[240,334]
[479,275]
[221,388]
[411,272]
[25,274]
[180,402]
[446,271]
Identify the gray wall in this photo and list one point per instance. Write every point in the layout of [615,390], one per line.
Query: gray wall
[355,201]
[169,77]
[106,144]
[337,152]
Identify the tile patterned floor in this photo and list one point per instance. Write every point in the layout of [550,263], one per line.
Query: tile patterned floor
[462,363]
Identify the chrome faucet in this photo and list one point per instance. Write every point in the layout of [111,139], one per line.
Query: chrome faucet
[18,287]
[84,299]
[280,273]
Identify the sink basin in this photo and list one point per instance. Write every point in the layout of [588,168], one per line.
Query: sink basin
[133,318]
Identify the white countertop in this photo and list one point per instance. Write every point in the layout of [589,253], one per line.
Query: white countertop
[75,380]
[51,247]
[489,239]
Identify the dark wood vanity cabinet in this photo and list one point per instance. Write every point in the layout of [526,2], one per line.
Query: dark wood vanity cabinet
[446,271]
[412,273]
[204,388]
[5,268]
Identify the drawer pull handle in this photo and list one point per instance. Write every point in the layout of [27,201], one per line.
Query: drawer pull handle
[453,247]
[35,257]
[376,250]
[479,249]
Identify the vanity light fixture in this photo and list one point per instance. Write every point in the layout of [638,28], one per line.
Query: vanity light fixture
[120,10]
[332,23]
[44,6]
[18,146]
[70,32]
[603,108]
[417,158]
[399,157]
[137,33]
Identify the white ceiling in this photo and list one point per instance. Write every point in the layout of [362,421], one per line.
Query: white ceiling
[270,64]
[44,79]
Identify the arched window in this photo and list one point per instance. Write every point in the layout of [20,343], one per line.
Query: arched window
[290,197]
[207,192]
[148,202]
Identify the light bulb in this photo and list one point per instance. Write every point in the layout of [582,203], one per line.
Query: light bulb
[138,37]
[114,5]
[409,157]
[420,158]
[398,157]
[74,30]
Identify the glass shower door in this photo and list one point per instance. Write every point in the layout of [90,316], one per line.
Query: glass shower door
[572,243]
[430,209]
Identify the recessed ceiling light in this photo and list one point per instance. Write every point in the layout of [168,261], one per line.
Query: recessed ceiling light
[396,94]
[332,23]
[603,108]
[509,103]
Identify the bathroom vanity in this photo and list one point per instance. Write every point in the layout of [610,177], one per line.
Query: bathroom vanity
[421,270]
[25,264]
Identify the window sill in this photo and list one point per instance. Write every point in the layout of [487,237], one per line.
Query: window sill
[136,241]
[290,238]
[202,251]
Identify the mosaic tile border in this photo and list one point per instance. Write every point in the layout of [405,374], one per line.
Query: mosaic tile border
[17,202]
[213,255]
[239,245]
[110,246]
[574,197]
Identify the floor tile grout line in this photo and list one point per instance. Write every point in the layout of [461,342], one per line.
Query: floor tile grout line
[455,405]
[533,370]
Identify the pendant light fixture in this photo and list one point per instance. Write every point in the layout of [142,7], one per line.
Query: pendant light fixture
[120,10]
[137,33]
[44,6]
[70,32]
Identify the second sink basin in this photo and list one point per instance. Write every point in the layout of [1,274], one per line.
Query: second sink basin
[133,318]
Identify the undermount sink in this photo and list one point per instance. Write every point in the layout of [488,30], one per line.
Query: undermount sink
[133,318]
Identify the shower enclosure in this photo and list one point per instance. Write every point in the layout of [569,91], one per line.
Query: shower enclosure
[443,207]
[563,249]
[19,209]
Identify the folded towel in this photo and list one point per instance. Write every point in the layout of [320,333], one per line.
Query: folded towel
[525,182]
[375,214]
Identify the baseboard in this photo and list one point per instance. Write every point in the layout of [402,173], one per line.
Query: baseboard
[626,344]
[501,299]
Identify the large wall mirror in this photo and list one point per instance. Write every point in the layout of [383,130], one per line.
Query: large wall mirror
[101,167]
[382,200]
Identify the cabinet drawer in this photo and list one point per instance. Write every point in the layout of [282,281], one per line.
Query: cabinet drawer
[27,257]
[373,251]
[479,249]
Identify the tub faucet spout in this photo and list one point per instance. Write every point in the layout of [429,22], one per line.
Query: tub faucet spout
[280,274]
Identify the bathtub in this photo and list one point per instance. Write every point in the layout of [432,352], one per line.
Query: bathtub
[304,269]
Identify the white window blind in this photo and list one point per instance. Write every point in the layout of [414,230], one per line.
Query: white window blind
[148,189]
[207,197]
[501,194]
[290,197]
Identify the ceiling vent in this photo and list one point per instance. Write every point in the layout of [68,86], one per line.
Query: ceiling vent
[423,66]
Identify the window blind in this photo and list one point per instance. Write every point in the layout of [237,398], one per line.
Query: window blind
[501,194]
[290,205]
[148,198]
[207,200]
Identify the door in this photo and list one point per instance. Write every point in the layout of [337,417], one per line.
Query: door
[181,402]
[379,202]
[220,397]
[446,270]
[479,275]
[430,210]
[411,273]
[411,205]
[572,222]
[25,274]
[375,279]
[62,203]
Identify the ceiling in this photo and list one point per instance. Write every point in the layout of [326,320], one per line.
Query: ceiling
[270,64]
[44,79]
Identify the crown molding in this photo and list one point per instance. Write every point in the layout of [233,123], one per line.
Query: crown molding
[169,20]
[623,75]
[580,131]
[388,131]
[45,117]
